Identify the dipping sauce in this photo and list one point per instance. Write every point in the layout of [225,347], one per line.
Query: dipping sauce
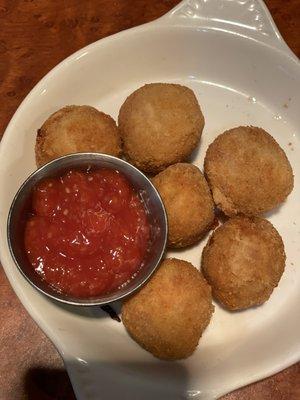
[88,233]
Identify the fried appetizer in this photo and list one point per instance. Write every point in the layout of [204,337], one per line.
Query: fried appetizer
[247,171]
[169,314]
[75,129]
[160,125]
[243,262]
[188,202]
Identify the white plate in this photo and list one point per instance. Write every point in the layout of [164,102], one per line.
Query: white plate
[231,54]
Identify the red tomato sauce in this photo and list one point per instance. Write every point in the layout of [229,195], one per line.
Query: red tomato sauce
[88,233]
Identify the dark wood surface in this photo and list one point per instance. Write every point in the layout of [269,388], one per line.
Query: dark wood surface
[34,37]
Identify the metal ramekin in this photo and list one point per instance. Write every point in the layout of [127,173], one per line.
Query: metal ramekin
[22,204]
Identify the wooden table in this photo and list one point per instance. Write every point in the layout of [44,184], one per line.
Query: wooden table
[34,37]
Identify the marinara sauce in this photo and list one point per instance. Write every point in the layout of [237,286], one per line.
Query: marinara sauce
[88,232]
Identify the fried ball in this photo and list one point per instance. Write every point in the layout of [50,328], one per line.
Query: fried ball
[169,314]
[243,261]
[160,125]
[75,129]
[247,171]
[188,202]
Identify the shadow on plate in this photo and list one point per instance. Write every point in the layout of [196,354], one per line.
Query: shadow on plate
[194,155]
[112,310]
[109,381]
[274,211]
[128,380]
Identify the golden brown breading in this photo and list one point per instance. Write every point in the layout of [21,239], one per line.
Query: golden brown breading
[247,171]
[75,129]
[243,262]
[160,124]
[188,202]
[169,314]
